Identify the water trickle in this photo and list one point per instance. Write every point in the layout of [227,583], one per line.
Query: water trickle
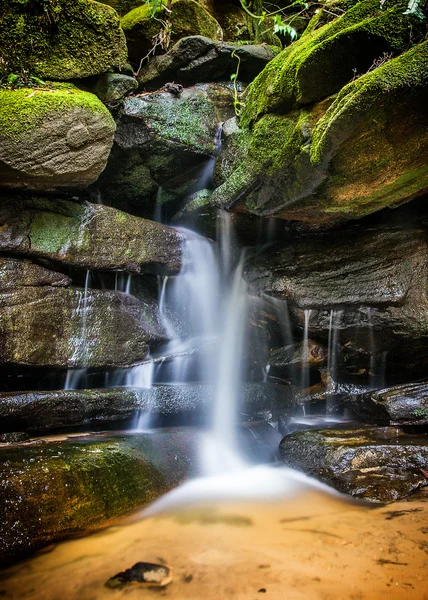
[76,377]
[333,349]
[304,381]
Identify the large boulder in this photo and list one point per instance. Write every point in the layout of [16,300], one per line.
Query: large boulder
[163,139]
[88,236]
[401,405]
[53,138]
[44,323]
[342,158]
[60,39]
[40,411]
[143,24]
[373,464]
[197,59]
[368,283]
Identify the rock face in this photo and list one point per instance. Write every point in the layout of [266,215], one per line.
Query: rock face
[163,139]
[370,280]
[110,87]
[69,38]
[89,236]
[186,17]
[331,158]
[374,464]
[49,410]
[401,405]
[53,139]
[197,59]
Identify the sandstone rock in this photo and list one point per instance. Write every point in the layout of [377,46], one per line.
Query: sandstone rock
[374,464]
[53,139]
[67,39]
[89,236]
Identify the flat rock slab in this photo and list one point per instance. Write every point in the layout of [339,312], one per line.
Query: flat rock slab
[403,405]
[40,411]
[378,464]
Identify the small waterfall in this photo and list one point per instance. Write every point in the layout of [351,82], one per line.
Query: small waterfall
[75,377]
[141,376]
[304,381]
[333,349]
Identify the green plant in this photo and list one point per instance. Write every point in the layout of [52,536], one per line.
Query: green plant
[238,105]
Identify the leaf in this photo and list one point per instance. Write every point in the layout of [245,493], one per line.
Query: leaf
[284,28]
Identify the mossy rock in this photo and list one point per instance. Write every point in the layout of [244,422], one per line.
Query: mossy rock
[320,63]
[70,39]
[122,7]
[52,490]
[379,465]
[53,138]
[237,25]
[87,236]
[187,17]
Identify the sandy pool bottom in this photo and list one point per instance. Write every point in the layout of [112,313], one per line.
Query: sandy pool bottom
[309,547]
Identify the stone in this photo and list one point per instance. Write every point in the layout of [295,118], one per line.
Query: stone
[198,59]
[377,464]
[87,236]
[110,88]
[53,139]
[149,574]
[163,140]
[370,279]
[42,411]
[401,405]
[311,354]
[69,38]
[185,17]
[16,273]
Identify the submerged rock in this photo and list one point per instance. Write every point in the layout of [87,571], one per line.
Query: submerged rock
[197,59]
[374,464]
[89,236]
[61,39]
[40,411]
[402,405]
[53,139]
[149,574]
[368,283]
[54,489]
[184,17]
[163,140]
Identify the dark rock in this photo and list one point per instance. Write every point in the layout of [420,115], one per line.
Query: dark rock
[163,140]
[14,437]
[15,273]
[402,405]
[374,464]
[149,574]
[110,87]
[54,489]
[197,59]
[373,278]
[40,411]
[89,236]
[53,139]
[310,354]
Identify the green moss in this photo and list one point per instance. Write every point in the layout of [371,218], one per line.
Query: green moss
[25,109]
[141,14]
[321,62]
[53,233]
[73,39]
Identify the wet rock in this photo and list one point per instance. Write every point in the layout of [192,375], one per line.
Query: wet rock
[368,284]
[149,574]
[374,464]
[15,273]
[53,139]
[197,59]
[163,140]
[185,18]
[310,354]
[110,87]
[88,236]
[401,405]
[14,437]
[68,39]
[54,489]
[40,411]
[64,327]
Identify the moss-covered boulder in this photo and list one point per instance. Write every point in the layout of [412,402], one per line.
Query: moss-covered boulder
[46,323]
[321,62]
[196,59]
[53,138]
[163,139]
[373,464]
[89,236]
[60,39]
[186,17]
[110,88]
[342,158]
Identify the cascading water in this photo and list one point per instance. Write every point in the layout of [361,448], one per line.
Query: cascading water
[75,377]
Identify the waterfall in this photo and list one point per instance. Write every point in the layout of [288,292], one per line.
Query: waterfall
[75,377]
[304,382]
